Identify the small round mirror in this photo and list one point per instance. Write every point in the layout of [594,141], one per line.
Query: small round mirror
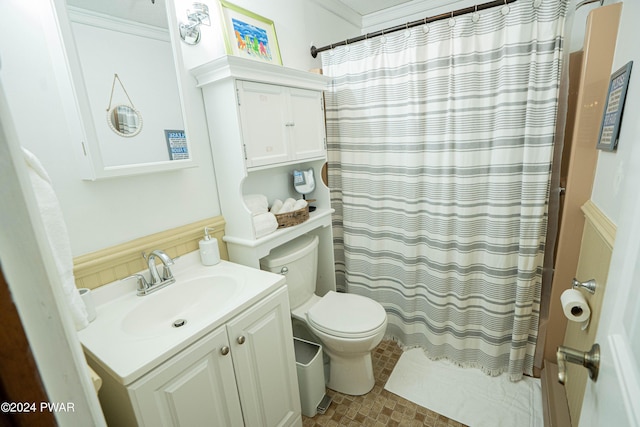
[124,120]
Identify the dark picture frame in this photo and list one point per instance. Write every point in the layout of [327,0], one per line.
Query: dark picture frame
[612,116]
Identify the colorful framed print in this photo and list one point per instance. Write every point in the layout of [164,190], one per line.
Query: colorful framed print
[249,35]
[610,127]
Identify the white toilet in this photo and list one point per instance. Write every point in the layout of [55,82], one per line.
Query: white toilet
[348,326]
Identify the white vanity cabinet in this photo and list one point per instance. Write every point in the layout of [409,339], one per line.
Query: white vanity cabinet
[196,387]
[243,373]
[280,124]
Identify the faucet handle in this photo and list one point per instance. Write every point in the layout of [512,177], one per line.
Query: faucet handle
[142,284]
[166,272]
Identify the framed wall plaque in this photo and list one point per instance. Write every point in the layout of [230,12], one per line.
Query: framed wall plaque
[612,117]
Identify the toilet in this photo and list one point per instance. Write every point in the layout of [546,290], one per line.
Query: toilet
[348,326]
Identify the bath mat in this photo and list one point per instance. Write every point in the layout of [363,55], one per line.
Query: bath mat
[466,395]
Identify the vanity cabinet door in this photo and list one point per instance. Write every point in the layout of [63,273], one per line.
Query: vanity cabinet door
[195,388]
[308,130]
[264,363]
[263,117]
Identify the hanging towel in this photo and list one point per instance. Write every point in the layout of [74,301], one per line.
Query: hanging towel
[257,203]
[56,231]
[264,224]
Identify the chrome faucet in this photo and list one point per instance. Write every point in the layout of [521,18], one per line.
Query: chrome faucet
[156,281]
[166,269]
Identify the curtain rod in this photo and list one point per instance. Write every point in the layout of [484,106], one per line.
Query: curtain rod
[586,2]
[452,14]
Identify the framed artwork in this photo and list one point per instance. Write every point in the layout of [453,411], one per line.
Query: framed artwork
[249,35]
[612,117]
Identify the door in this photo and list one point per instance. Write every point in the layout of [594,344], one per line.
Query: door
[264,362]
[307,132]
[195,388]
[614,399]
[265,129]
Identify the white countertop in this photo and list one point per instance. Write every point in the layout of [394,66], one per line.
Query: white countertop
[128,356]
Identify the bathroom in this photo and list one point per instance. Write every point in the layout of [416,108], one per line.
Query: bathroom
[108,212]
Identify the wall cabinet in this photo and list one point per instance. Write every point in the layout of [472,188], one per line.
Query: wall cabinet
[242,373]
[265,121]
[280,124]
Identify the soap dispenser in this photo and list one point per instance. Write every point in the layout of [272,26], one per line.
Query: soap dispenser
[209,251]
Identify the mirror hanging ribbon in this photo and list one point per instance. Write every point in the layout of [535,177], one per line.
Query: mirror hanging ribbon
[124,120]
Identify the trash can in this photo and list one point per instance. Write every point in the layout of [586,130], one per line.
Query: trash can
[310,368]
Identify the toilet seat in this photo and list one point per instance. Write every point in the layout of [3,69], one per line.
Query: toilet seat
[347,315]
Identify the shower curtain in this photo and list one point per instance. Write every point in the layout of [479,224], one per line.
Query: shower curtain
[440,143]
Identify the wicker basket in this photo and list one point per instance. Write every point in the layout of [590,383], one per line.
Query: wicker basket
[292,218]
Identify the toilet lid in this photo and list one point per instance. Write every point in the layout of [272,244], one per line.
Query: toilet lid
[346,315]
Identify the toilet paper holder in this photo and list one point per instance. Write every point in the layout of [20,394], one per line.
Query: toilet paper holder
[589,285]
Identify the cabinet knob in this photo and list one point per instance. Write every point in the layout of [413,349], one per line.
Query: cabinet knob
[224,350]
[241,339]
[289,124]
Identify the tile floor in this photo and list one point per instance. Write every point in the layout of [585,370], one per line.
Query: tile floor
[379,407]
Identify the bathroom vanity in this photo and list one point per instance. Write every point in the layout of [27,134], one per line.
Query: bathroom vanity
[213,348]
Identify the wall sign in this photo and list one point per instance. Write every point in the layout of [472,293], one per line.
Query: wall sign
[177,144]
[610,127]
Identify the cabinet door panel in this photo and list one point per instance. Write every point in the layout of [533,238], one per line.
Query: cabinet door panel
[308,132]
[195,388]
[265,363]
[264,126]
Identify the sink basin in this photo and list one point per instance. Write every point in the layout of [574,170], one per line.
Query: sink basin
[180,305]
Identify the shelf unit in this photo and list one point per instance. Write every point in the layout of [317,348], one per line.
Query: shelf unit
[226,84]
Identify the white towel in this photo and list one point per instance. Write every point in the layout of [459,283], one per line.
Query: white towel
[299,204]
[287,206]
[257,203]
[264,224]
[276,206]
[57,236]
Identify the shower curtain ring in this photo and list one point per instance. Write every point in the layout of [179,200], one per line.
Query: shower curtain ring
[425,26]
[505,9]
[475,17]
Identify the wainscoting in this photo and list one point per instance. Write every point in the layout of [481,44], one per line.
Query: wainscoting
[117,262]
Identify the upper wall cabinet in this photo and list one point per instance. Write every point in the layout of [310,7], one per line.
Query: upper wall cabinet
[128,114]
[280,124]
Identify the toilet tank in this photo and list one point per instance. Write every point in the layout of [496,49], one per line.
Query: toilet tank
[298,261]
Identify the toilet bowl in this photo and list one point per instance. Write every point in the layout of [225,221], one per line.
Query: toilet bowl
[348,326]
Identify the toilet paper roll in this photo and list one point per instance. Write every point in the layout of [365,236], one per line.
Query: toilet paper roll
[574,305]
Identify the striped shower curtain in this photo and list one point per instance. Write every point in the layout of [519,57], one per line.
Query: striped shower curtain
[440,140]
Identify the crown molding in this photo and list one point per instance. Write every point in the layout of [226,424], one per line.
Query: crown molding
[341,10]
[101,20]
[401,13]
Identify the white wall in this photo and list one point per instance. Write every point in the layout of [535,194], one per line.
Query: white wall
[107,212]
[614,167]
[298,25]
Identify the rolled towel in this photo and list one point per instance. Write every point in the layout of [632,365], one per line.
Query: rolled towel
[264,223]
[287,206]
[257,203]
[299,204]
[276,206]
